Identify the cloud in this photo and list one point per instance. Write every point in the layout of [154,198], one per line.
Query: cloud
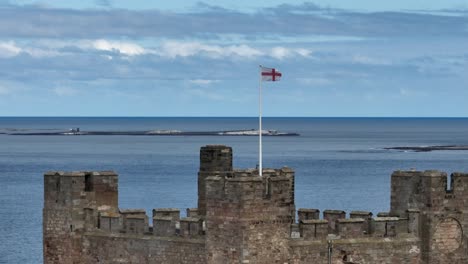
[440,65]
[114,44]
[303,52]
[9,49]
[203,81]
[175,49]
[168,49]
[125,48]
[282,52]
[49,48]
[287,20]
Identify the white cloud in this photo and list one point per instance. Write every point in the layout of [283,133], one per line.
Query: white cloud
[243,51]
[126,48]
[39,52]
[64,91]
[12,49]
[291,20]
[9,49]
[175,49]
[169,49]
[284,52]
[50,48]
[203,81]
[303,52]
[280,52]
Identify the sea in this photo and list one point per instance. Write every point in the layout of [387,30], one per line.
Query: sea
[340,163]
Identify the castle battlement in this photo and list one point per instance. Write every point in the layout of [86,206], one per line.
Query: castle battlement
[166,222]
[245,185]
[79,189]
[242,217]
[428,191]
[358,224]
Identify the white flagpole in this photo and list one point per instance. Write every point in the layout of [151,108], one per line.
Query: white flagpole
[260,167]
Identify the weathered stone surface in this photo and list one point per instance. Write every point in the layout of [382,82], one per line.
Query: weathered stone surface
[245,218]
[307,214]
[448,236]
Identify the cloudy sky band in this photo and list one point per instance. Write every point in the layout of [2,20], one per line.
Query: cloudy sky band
[202,60]
[37,22]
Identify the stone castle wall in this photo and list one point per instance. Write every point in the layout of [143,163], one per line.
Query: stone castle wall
[244,218]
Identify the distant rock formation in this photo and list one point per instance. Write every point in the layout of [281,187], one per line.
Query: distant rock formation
[431,148]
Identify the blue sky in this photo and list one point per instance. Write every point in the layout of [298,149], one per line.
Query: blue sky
[192,58]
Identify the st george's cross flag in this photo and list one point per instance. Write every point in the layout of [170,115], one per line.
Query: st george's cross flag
[270,74]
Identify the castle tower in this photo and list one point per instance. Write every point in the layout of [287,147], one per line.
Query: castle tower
[423,190]
[71,199]
[442,212]
[248,217]
[214,160]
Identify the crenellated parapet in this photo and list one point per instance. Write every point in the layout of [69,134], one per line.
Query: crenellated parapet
[359,224]
[246,185]
[79,189]
[243,217]
[166,222]
[72,201]
[214,159]
[428,191]
[241,208]
[423,190]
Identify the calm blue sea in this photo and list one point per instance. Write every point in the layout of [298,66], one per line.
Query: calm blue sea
[339,162]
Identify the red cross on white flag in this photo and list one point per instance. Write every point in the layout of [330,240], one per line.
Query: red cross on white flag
[270,74]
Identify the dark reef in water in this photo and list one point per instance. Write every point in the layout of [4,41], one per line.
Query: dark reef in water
[431,148]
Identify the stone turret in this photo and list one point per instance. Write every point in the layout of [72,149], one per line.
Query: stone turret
[214,160]
[72,201]
[439,213]
[248,217]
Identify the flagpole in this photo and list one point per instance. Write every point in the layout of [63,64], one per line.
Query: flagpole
[260,167]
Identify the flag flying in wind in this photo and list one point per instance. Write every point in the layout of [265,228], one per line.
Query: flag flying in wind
[266,74]
[270,74]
